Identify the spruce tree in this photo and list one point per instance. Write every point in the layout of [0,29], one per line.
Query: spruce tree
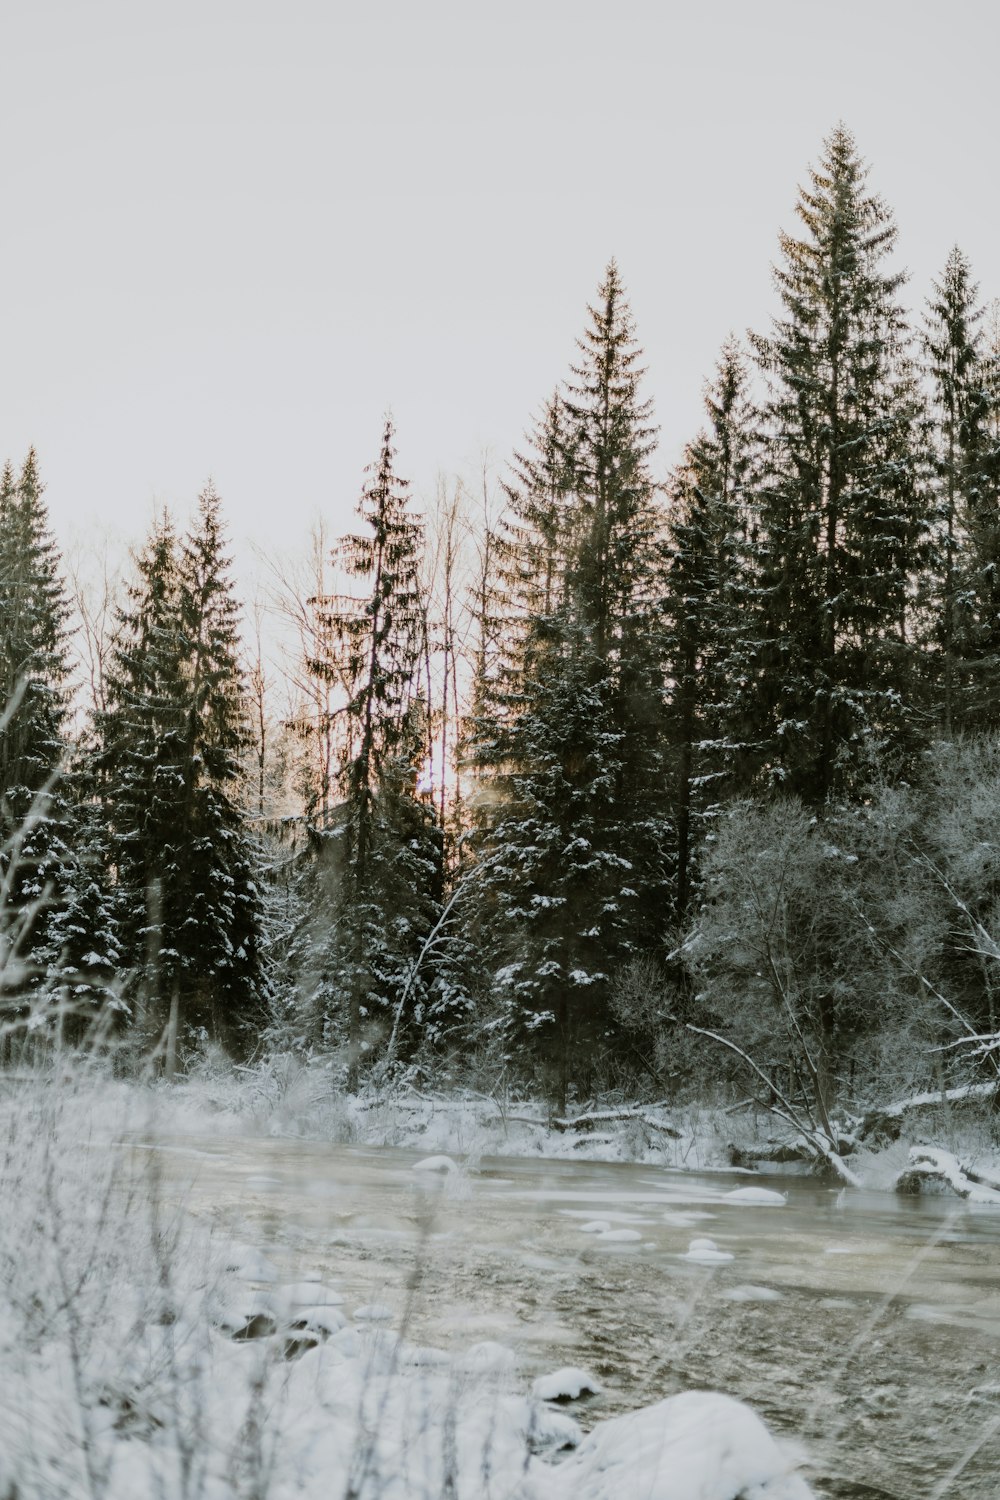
[169,760]
[573,819]
[841,522]
[381,839]
[966,492]
[708,602]
[35,814]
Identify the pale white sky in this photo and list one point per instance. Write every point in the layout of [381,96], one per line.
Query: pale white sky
[234,233]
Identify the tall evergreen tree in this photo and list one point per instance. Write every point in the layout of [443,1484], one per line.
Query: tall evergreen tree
[573,827]
[841,522]
[171,738]
[36,855]
[381,839]
[708,603]
[967,494]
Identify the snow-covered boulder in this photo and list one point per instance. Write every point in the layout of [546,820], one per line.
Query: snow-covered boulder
[373,1312]
[568,1384]
[249,1263]
[929,1164]
[695,1446]
[309,1294]
[487,1356]
[705,1252]
[758,1196]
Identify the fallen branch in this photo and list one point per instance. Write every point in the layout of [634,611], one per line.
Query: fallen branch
[819,1141]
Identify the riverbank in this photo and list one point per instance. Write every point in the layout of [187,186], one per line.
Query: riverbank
[925,1143]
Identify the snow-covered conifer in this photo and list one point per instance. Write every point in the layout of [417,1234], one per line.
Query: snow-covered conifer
[380,843]
[709,604]
[169,761]
[842,522]
[573,819]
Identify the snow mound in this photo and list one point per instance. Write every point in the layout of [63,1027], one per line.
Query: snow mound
[441,1164]
[757,1195]
[487,1356]
[424,1357]
[705,1252]
[752,1294]
[376,1348]
[568,1384]
[695,1446]
[321,1319]
[310,1294]
[249,1264]
[373,1312]
[596,1226]
[620,1236]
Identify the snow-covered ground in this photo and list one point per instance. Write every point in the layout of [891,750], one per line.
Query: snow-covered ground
[143,1355]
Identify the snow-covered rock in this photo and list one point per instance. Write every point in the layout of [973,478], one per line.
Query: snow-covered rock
[310,1294]
[487,1356]
[424,1357]
[373,1312]
[441,1164]
[249,1263]
[705,1252]
[931,1164]
[759,1196]
[748,1293]
[695,1446]
[320,1319]
[568,1384]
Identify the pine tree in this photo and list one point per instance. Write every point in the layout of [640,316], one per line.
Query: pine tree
[381,839]
[170,743]
[708,604]
[34,799]
[573,819]
[966,483]
[841,526]
[220,893]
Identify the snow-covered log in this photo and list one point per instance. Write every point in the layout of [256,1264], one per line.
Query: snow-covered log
[886,1122]
[929,1164]
[812,1149]
[593,1118]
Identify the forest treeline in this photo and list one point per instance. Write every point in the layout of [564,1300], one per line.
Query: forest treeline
[627,782]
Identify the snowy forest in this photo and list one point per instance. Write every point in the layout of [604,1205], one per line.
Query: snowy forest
[603,782]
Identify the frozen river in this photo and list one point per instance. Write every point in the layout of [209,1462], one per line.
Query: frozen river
[865,1324]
